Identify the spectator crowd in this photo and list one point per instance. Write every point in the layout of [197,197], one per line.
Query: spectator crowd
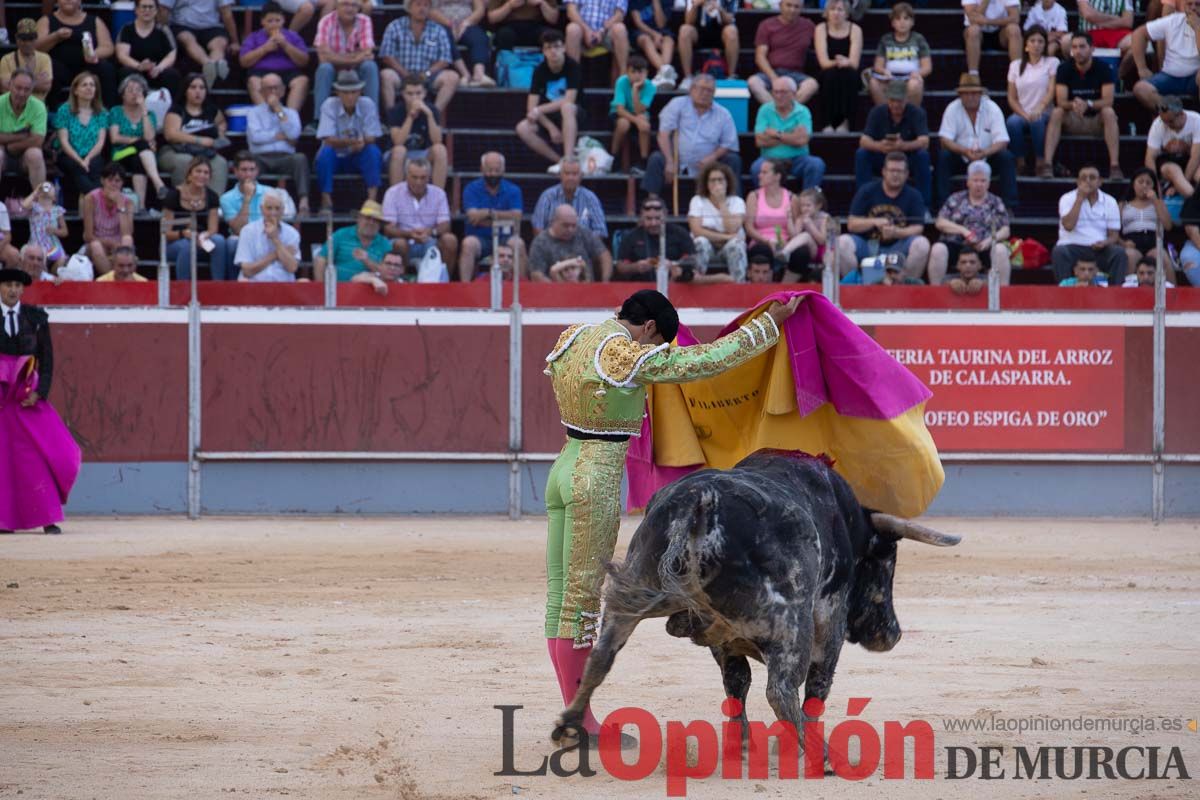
[117,125]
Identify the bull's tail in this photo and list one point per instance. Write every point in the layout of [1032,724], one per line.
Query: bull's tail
[692,538]
[695,537]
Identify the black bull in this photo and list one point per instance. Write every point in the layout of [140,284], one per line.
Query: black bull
[773,560]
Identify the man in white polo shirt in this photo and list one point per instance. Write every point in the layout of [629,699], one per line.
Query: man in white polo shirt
[1089,224]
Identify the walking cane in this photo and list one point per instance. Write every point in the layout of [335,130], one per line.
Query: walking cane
[675,180]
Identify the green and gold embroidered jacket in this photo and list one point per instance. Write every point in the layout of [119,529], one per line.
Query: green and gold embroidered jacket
[599,372]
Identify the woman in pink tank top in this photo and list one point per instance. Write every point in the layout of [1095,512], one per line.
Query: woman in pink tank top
[770,225]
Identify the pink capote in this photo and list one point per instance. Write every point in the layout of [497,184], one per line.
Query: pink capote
[39,460]
[833,361]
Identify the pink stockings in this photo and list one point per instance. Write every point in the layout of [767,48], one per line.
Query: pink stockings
[568,666]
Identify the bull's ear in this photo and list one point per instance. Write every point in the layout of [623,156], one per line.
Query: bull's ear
[905,529]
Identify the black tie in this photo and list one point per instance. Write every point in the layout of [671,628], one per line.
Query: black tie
[11,324]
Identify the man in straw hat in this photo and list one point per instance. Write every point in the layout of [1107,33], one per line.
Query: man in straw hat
[360,251]
[973,129]
[41,459]
[348,128]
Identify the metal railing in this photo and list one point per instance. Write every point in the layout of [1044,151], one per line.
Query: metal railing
[515,456]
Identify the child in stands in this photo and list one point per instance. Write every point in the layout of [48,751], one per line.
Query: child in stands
[632,96]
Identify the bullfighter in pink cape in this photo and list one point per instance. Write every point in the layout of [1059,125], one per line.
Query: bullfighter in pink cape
[39,460]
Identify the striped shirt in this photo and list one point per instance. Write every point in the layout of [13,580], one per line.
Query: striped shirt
[1113,8]
[585,203]
[413,55]
[597,12]
[331,35]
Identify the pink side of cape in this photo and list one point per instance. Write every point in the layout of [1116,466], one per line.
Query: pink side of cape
[40,459]
[833,361]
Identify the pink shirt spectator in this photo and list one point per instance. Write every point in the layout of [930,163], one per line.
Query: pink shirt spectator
[400,208]
[787,44]
[331,35]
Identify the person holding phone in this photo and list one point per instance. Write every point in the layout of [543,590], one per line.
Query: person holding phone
[896,126]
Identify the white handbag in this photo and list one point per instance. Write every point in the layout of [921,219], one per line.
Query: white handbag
[432,269]
[78,267]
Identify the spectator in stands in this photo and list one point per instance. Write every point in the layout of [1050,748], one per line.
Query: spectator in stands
[705,134]
[274,50]
[194,196]
[903,55]
[972,219]
[782,131]
[1052,19]
[1089,227]
[9,256]
[76,42]
[967,269]
[1146,272]
[640,248]
[273,132]
[81,125]
[838,43]
[413,45]
[195,128]
[760,269]
[147,47]
[47,222]
[1173,146]
[519,23]
[973,129]
[132,129]
[242,204]
[995,23]
[378,274]
[357,248]
[1142,211]
[651,33]
[553,101]
[416,132]
[1181,58]
[811,225]
[463,18]
[107,216]
[589,212]
[1084,272]
[598,23]
[417,216]
[708,25]
[1108,22]
[124,262]
[33,263]
[268,249]
[886,216]
[1083,104]
[1189,256]
[348,128]
[1030,96]
[630,108]
[28,57]
[716,219]
[505,259]
[771,220]
[486,200]
[781,46]
[206,31]
[23,127]
[896,127]
[345,40]
[567,253]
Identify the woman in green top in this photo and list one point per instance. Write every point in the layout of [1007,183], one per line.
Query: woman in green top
[81,123]
[132,129]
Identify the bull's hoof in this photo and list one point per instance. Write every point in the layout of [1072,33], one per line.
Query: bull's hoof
[567,728]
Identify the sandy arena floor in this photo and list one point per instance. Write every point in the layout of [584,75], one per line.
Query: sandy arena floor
[328,659]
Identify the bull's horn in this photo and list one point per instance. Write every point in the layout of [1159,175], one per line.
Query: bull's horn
[905,529]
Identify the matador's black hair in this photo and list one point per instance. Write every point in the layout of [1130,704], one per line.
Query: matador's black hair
[641,307]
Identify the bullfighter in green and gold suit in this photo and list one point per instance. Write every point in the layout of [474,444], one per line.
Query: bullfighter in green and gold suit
[599,374]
